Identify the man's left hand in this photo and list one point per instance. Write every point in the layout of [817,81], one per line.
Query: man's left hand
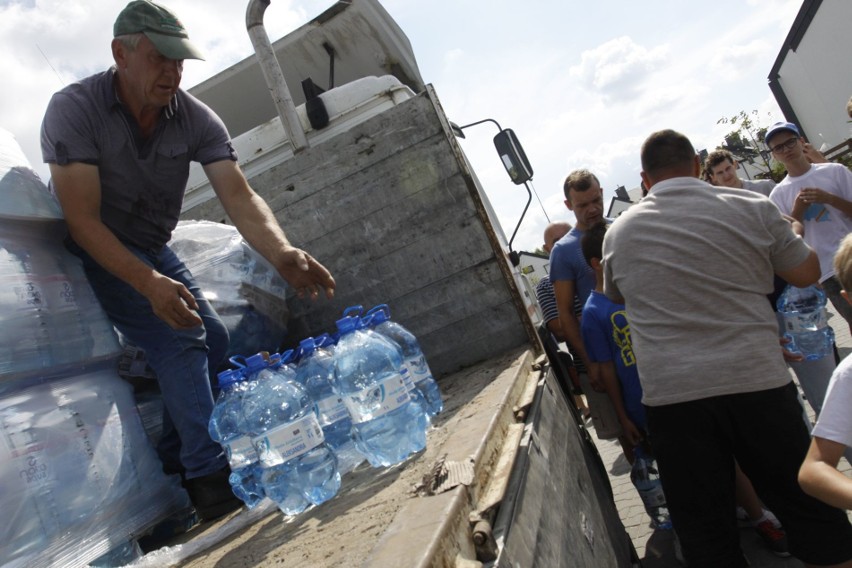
[304,273]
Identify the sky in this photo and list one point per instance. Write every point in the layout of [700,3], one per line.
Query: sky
[582,84]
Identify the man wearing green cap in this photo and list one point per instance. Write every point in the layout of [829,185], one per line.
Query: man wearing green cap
[119,145]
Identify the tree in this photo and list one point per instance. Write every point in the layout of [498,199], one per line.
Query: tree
[745,143]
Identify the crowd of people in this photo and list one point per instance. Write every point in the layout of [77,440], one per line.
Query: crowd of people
[679,328]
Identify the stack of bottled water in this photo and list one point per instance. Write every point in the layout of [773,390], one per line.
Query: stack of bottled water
[414,362]
[73,455]
[387,424]
[228,427]
[292,423]
[315,372]
[806,322]
[49,314]
[299,468]
[646,479]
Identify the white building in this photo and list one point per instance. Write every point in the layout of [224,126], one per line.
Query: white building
[812,76]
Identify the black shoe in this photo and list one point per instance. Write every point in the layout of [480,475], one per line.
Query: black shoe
[212,495]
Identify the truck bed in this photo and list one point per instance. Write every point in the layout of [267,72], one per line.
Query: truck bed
[506,464]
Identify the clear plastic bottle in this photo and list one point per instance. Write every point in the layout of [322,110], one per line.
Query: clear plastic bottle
[413,359]
[315,372]
[299,468]
[386,425]
[806,322]
[228,427]
[646,479]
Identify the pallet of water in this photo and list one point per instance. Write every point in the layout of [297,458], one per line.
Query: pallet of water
[78,474]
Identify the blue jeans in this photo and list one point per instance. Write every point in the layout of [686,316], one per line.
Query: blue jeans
[185,360]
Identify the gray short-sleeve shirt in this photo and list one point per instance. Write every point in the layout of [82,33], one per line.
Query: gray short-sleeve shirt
[694,264]
[142,182]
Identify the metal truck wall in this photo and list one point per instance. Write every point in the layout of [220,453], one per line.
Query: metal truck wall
[388,208]
[564,514]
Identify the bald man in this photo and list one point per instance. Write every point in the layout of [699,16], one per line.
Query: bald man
[547,302]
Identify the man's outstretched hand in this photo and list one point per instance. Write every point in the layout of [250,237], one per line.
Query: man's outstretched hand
[304,273]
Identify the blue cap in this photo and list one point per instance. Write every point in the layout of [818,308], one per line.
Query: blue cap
[307,345]
[324,340]
[347,324]
[779,127]
[228,378]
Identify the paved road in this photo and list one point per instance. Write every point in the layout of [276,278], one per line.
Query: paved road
[655,548]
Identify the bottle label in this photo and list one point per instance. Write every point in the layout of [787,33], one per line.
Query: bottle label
[240,452]
[377,400]
[406,379]
[653,497]
[288,441]
[419,369]
[798,322]
[331,409]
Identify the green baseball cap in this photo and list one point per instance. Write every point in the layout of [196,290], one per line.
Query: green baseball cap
[160,25]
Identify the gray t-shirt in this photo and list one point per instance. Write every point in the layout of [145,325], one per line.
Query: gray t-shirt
[761,186]
[142,181]
[694,264]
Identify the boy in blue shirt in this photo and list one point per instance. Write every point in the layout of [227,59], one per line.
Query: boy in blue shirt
[606,335]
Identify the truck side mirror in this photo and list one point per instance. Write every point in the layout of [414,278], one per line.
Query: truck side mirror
[513,157]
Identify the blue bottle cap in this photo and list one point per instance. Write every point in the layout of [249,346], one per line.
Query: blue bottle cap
[323,340]
[382,309]
[353,310]
[347,324]
[377,317]
[257,361]
[228,378]
[288,356]
[307,346]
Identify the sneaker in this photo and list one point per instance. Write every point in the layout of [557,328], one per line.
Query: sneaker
[773,537]
[212,495]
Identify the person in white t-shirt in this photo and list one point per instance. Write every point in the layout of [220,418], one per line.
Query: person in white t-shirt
[819,476]
[817,195]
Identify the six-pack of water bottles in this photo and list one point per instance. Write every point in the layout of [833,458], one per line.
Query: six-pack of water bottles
[292,423]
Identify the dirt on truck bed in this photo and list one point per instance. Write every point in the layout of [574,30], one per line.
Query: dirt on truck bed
[346,530]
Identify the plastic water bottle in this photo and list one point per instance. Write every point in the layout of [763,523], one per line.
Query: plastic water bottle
[228,427]
[806,322]
[299,468]
[315,372]
[386,426]
[646,479]
[413,359]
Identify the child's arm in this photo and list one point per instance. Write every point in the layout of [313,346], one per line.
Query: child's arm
[607,375]
[819,476]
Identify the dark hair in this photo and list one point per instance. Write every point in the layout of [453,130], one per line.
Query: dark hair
[666,150]
[592,242]
[715,158]
[578,180]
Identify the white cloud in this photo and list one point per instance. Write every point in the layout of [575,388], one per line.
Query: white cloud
[731,63]
[618,68]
